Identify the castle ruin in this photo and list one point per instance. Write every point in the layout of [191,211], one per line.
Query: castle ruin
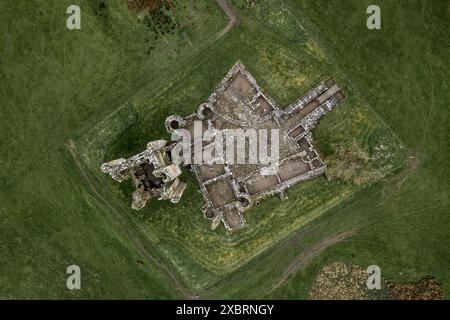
[230,189]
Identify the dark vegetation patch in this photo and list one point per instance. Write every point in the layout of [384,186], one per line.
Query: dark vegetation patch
[159,14]
[160,19]
[101,12]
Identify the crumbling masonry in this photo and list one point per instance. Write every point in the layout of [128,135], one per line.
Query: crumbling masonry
[230,189]
[152,173]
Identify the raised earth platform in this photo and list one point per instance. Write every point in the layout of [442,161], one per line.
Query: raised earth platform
[239,103]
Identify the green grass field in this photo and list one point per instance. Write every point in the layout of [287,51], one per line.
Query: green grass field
[73,99]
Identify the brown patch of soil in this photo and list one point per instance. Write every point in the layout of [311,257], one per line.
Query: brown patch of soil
[425,289]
